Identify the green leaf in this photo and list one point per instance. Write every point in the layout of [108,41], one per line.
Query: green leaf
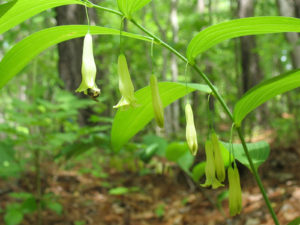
[25,50]
[13,217]
[8,164]
[119,191]
[6,6]
[176,150]
[263,92]
[179,152]
[128,7]
[239,27]
[55,207]
[295,221]
[24,9]
[159,141]
[148,152]
[134,119]
[198,171]
[29,205]
[259,152]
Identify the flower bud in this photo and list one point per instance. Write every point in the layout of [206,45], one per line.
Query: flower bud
[191,135]
[210,167]
[235,192]
[125,84]
[219,163]
[156,102]
[88,68]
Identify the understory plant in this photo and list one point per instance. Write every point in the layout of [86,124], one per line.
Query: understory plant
[137,109]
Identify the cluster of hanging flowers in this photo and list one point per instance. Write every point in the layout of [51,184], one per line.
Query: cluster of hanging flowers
[214,168]
[215,173]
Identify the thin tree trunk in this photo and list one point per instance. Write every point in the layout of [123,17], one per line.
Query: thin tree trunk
[288,8]
[70,53]
[200,7]
[251,72]
[174,65]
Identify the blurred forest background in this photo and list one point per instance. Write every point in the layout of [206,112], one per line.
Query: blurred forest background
[56,163]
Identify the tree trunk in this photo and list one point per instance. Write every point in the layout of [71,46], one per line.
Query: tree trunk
[251,72]
[200,7]
[174,65]
[70,53]
[288,8]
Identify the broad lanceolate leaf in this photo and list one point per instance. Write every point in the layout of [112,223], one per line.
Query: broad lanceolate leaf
[239,27]
[127,123]
[259,152]
[128,7]
[24,9]
[25,50]
[265,91]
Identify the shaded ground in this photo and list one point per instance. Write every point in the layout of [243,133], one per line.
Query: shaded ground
[163,199]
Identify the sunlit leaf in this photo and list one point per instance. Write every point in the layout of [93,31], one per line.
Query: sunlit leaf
[265,91]
[25,50]
[215,34]
[129,122]
[259,153]
[127,7]
[24,9]
[6,6]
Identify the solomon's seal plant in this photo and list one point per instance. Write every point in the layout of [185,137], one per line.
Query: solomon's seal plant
[19,55]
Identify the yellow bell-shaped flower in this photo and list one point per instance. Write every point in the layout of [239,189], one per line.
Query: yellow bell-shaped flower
[219,163]
[88,68]
[191,135]
[125,85]
[210,174]
[235,192]
[156,102]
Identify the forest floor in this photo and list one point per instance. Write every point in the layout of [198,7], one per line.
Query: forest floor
[158,199]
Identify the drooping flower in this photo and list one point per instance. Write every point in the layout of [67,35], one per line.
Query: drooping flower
[156,102]
[191,135]
[210,174]
[219,163]
[235,192]
[125,85]
[88,69]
